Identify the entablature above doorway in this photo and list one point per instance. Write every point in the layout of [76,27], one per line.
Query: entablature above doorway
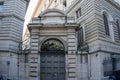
[52,18]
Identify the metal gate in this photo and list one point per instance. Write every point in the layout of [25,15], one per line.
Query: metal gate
[52,65]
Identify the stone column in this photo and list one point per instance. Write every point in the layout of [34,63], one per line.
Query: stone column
[71,61]
[34,55]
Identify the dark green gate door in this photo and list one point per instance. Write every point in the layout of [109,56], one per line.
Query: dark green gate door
[52,61]
[52,66]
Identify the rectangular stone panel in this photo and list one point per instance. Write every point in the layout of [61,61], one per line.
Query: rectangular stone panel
[33,74]
[34,40]
[71,65]
[72,61]
[34,48]
[33,69]
[33,60]
[71,74]
[71,48]
[33,64]
[34,37]
[34,51]
[71,40]
[71,36]
[71,56]
[72,70]
[34,56]
[72,44]
[35,31]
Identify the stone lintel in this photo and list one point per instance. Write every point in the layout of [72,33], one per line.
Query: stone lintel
[34,26]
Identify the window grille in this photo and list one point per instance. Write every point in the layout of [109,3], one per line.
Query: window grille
[80,38]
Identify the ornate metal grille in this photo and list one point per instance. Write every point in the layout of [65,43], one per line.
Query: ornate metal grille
[80,38]
[52,45]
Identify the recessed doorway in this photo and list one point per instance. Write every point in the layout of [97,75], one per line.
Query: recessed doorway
[52,60]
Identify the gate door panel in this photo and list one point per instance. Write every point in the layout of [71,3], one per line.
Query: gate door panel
[52,65]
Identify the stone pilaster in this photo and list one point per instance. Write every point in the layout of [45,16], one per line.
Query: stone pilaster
[34,56]
[71,63]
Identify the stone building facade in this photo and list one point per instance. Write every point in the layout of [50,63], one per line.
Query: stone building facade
[12,14]
[82,43]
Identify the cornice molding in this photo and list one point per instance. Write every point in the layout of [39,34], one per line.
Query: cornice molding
[11,15]
[72,5]
[115,4]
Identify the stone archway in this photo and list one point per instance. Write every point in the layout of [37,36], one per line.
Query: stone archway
[52,25]
[52,60]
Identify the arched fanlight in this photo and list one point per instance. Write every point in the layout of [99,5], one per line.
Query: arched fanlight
[52,45]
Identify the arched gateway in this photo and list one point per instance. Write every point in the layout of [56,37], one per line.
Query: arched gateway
[53,47]
[52,60]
